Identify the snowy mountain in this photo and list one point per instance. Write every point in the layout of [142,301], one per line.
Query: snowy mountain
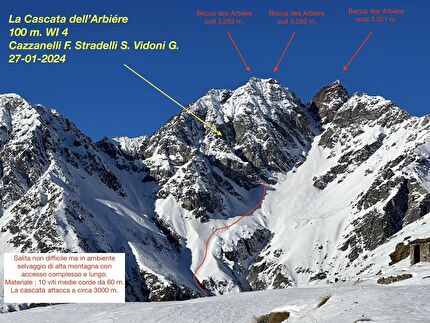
[348,181]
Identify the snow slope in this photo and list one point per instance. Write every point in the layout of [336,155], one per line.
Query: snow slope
[401,302]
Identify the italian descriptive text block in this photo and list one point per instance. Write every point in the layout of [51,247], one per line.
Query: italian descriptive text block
[64,278]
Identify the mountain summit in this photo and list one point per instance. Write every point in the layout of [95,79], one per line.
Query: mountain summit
[348,180]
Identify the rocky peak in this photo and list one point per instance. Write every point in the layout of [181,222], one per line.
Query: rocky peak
[364,108]
[11,101]
[265,130]
[258,96]
[8,104]
[328,100]
[332,104]
[257,81]
[270,90]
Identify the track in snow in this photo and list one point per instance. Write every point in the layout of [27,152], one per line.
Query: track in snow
[226,227]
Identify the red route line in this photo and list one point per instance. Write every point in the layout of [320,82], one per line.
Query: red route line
[225,227]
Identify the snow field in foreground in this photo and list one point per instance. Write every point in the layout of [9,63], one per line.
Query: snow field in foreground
[356,303]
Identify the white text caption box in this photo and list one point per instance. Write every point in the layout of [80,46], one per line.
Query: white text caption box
[64,278]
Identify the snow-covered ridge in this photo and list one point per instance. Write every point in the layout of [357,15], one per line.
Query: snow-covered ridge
[348,180]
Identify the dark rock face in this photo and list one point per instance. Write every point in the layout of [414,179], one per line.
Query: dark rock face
[241,257]
[376,227]
[354,245]
[401,252]
[357,111]
[328,100]
[393,279]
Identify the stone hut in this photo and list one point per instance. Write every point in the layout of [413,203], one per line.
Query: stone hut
[420,250]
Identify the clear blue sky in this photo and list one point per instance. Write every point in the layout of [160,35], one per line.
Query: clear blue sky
[95,91]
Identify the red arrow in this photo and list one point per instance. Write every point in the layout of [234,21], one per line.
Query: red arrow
[345,68]
[283,54]
[240,54]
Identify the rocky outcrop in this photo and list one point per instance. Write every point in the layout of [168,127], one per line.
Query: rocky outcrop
[409,203]
[401,252]
[242,255]
[156,290]
[266,274]
[393,279]
[328,100]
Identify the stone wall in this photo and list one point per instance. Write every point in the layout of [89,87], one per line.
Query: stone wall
[424,250]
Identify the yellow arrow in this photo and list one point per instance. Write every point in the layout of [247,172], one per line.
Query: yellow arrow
[172,99]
